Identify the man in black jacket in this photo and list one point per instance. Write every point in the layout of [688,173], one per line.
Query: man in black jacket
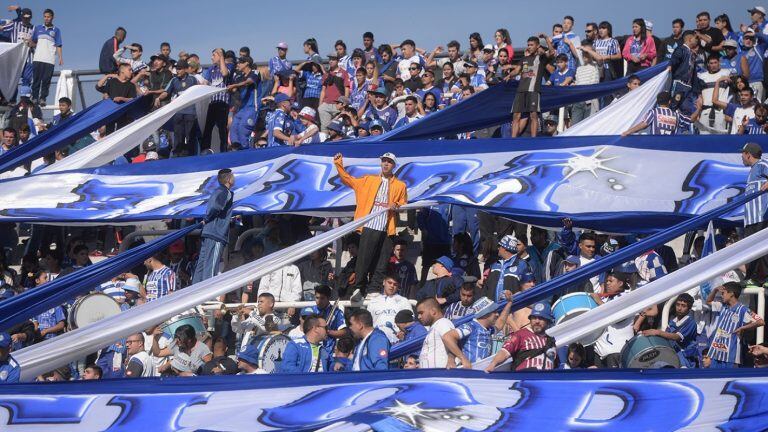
[107,64]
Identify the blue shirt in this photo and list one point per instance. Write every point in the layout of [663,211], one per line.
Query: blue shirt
[755,61]
[179,85]
[248,96]
[754,211]
[213,75]
[434,90]
[433,223]
[387,115]
[9,371]
[686,329]
[414,331]
[276,65]
[726,345]
[279,121]
[50,318]
[753,128]
[475,340]
[558,77]
[336,322]
[661,121]
[372,353]
[298,357]
[314,84]
[458,310]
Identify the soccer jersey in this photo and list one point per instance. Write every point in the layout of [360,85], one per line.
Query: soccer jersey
[475,340]
[279,121]
[277,65]
[558,77]
[387,115]
[524,340]
[607,47]
[685,328]
[383,309]
[336,322]
[726,345]
[49,319]
[661,120]
[754,210]
[737,113]
[381,202]
[458,310]
[160,283]
[215,79]
[47,39]
[754,128]
[433,353]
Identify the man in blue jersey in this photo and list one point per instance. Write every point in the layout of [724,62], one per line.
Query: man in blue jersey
[9,369]
[215,227]
[471,341]
[733,318]
[20,30]
[662,119]
[682,331]
[244,120]
[336,326]
[754,54]
[280,124]
[46,39]
[505,273]
[755,210]
[307,354]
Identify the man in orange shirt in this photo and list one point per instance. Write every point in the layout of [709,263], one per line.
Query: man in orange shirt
[374,193]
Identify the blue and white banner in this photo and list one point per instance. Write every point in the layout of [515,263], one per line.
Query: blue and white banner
[428,400]
[709,248]
[616,184]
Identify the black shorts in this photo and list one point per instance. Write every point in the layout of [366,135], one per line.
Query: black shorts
[526,102]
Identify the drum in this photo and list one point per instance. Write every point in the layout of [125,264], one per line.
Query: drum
[270,348]
[91,308]
[572,305]
[644,351]
[195,320]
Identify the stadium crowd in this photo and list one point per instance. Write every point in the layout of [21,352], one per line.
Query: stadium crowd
[471,261]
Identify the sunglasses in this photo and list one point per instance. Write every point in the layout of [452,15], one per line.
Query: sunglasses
[413,68]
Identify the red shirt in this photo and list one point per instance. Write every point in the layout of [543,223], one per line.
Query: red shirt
[332,91]
[523,340]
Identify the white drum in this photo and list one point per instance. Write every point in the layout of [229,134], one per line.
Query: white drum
[90,309]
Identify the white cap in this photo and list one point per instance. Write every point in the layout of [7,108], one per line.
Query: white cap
[757,9]
[308,112]
[389,155]
[151,155]
[488,47]
[132,284]
[648,25]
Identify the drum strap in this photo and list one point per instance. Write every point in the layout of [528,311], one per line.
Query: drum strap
[526,354]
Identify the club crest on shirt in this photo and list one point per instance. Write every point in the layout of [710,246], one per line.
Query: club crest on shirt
[735,319]
[382,353]
[539,307]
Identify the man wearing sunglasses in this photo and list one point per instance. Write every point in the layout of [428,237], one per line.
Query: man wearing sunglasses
[139,363]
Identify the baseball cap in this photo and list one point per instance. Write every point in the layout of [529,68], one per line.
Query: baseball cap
[730,43]
[282,45]
[27,13]
[152,155]
[159,57]
[245,59]
[483,306]
[390,156]
[133,285]
[404,316]
[753,10]
[295,106]
[336,127]
[249,353]
[542,310]
[753,148]
[379,90]
[308,113]
[488,47]
[376,123]
[573,260]
[527,277]
[281,97]
[5,340]
[445,262]
[182,64]
[470,63]
[333,56]
[509,242]
[307,311]
[343,99]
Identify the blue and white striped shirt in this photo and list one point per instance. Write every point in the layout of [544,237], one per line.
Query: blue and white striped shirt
[114,290]
[214,77]
[661,120]
[607,47]
[276,65]
[17,31]
[754,211]
[379,223]
[726,345]
[458,310]
[314,84]
[279,121]
[160,283]
[753,128]
[475,340]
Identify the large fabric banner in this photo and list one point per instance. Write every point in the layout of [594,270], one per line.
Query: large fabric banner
[12,59]
[72,129]
[614,184]
[493,107]
[416,400]
[105,151]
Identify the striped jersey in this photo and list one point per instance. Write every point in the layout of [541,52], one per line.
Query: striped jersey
[314,84]
[215,78]
[606,47]
[114,289]
[17,31]
[379,223]
[754,211]
[458,310]
[160,283]
[475,340]
[524,340]
[754,128]
[49,319]
[277,64]
[650,266]
[661,120]
[726,345]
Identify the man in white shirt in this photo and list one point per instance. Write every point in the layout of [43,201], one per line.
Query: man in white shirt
[384,307]
[140,363]
[284,284]
[712,119]
[408,48]
[433,353]
[608,347]
[248,323]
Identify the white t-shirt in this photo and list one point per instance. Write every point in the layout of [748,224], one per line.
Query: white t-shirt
[162,343]
[190,362]
[595,280]
[147,364]
[433,353]
[383,309]
[404,65]
[718,124]
[615,336]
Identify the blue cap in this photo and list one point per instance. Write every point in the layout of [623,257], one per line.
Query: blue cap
[527,277]
[307,311]
[336,126]
[542,310]
[445,262]
[295,106]
[484,306]
[509,242]
[249,353]
[573,260]
[377,123]
[5,340]
[281,97]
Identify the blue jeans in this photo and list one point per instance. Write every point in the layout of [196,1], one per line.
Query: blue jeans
[242,125]
[208,261]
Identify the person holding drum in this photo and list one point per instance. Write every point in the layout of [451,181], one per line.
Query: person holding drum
[215,227]
[308,353]
[733,318]
[682,331]
[530,348]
